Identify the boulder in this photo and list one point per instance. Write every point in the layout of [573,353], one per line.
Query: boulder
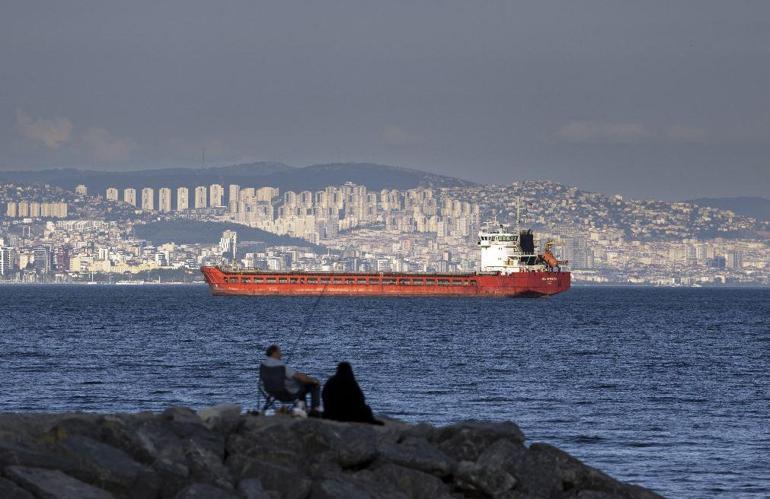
[205,491]
[182,415]
[37,456]
[9,490]
[222,418]
[111,468]
[472,477]
[205,466]
[418,454]
[413,483]
[76,424]
[53,484]
[501,454]
[334,489]
[545,470]
[288,481]
[270,439]
[467,440]
[252,488]
[349,445]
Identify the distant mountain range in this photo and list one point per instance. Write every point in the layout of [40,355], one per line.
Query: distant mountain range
[285,177]
[754,207]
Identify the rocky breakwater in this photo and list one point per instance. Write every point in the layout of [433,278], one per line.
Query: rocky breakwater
[220,453]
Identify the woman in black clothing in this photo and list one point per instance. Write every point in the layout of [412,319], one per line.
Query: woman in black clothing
[343,398]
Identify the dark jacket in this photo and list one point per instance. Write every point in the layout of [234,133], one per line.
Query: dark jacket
[343,398]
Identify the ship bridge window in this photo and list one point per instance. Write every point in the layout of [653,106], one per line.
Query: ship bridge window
[258,279]
[324,280]
[418,282]
[457,283]
[361,281]
[350,280]
[312,280]
[270,280]
[293,280]
[443,282]
[337,280]
[388,281]
[245,280]
[430,282]
[282,280]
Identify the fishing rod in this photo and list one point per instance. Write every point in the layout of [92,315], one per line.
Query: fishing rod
[313,308]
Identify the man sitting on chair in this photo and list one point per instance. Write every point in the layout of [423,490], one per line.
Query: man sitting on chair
[296,383]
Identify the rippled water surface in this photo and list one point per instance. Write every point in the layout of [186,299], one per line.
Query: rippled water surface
[663,387]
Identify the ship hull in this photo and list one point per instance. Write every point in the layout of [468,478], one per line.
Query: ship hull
[258,283]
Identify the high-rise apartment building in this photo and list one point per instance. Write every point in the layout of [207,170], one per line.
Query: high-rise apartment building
[267,193]
[112,194]
[200,197]
[11,210]
[34,209]
[42,259]
[148,199]
[164,199]
[7,260]
[233,191]
[228,244]
[23,209]
[216,195]
[129,196]
[182,199]
[81,190]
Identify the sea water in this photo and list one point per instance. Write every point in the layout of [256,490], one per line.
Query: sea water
[668,388]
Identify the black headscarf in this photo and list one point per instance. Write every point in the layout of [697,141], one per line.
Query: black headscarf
[343,398]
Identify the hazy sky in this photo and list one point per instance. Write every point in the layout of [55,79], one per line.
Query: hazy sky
[667,99]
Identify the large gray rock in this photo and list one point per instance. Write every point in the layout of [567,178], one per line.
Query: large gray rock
[415,484]
[467,440]
[112,469]
[182,415]
[349,445]
[471,477]
[501,454]
[205,491]
[418,454]
[288,481]
[547,471]
[9,490]
[335,489]
[205,466]
[252,488]
[374,483]
[271,439]
[53,484]
[37,456]
[223,418]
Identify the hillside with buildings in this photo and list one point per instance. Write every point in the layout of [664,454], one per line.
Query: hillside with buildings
[51,234]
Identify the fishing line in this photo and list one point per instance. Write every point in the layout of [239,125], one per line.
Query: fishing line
[309,316]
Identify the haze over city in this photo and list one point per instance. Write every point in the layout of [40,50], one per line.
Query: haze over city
[649,100]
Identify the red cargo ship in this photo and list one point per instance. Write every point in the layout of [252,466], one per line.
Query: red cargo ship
[510,267]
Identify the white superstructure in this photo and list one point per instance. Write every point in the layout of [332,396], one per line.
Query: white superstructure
[501,251]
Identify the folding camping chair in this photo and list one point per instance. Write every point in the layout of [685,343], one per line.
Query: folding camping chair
[272,385]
